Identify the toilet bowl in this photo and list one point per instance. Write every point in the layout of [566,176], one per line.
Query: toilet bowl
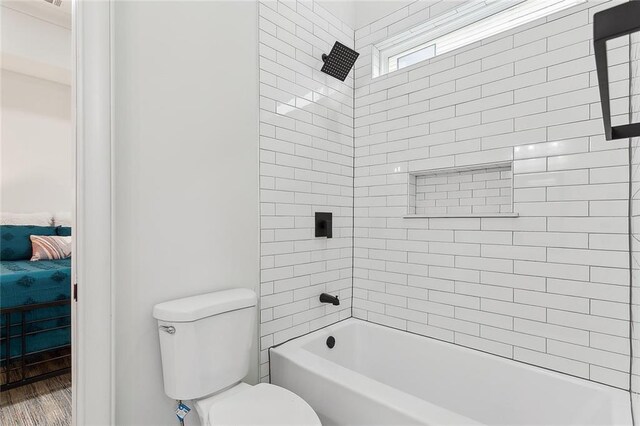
[206,343]
[262,404]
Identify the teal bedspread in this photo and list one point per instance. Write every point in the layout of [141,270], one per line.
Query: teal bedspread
[23,282]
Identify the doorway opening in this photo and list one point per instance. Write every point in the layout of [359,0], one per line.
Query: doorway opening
[37,201]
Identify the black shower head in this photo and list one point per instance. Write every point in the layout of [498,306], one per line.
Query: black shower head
[340,61]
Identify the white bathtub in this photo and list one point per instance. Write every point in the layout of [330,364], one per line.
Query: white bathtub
[376,375]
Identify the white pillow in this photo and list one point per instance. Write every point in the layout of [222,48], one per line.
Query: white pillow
[62,219]
[37,219]
[45,247]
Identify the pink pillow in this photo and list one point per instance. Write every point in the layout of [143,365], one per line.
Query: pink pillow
[50,248]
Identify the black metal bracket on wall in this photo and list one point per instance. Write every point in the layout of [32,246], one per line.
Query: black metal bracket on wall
[609,24]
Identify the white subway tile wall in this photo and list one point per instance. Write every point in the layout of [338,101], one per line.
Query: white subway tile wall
[306,165]
[548,288]
[635,217]
[477,191]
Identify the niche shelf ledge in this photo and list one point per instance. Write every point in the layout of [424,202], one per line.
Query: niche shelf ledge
[482,215]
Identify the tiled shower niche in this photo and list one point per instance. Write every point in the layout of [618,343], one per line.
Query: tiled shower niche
[482,190]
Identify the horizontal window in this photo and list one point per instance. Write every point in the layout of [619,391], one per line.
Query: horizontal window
[459,27]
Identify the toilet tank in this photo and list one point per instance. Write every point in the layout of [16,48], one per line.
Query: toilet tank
[205,341]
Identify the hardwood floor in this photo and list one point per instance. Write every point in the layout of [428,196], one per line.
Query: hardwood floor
[44,403]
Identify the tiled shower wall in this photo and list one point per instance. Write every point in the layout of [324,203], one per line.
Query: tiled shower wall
[635,215]
[549,287]
[465,192]
[306,166]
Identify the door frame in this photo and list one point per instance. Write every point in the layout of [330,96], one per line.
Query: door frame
[93,359]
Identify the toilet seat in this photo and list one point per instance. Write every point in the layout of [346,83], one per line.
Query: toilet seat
[263,404]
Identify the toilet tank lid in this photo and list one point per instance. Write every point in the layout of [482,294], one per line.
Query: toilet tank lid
[204,305]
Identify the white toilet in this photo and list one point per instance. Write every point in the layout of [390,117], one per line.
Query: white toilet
[205,343]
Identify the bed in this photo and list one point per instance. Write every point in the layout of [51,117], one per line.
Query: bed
[35,311]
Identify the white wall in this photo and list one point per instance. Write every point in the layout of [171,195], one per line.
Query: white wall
[186,187]
[358,13]
[186,192]
[32,44]
[306,166]
[550,287]
[368,11]
[345,11]
[37,164]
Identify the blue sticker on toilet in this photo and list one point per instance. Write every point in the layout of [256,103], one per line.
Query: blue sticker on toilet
[182,411]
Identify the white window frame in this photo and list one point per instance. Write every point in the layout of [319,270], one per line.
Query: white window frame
[477,19]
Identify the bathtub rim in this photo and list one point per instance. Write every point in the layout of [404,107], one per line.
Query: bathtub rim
[620,398]
[411,406]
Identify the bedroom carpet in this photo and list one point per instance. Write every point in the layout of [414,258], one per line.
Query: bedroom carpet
[42,403]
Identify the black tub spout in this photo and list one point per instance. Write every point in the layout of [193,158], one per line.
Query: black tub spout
[327,298]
